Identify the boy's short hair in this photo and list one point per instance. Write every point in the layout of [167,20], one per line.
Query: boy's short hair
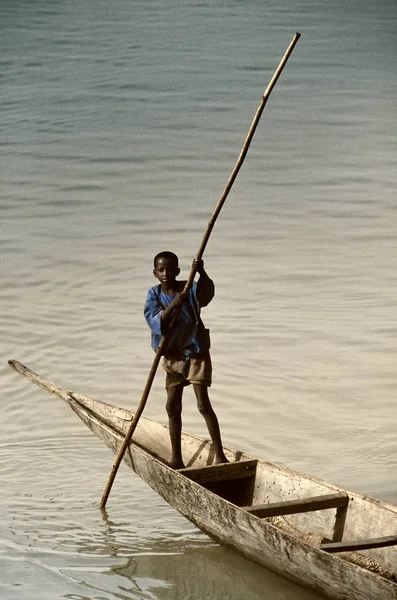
[166,254]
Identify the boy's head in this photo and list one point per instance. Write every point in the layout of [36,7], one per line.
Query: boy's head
[168,255]
[166,267]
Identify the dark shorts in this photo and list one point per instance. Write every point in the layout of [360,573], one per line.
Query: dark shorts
[197,369]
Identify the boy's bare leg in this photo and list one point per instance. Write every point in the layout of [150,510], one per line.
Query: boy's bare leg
[205,408]
[174,411]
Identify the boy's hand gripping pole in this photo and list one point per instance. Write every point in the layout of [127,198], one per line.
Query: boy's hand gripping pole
[199,255]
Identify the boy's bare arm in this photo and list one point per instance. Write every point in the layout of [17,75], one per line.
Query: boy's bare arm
[205,285]
[167,313]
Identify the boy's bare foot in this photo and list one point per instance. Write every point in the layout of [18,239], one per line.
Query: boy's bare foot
[178,464]
[220,459]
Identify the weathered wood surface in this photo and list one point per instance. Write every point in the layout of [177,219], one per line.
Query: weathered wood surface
[382,542]
[340,522]
[366,516]
[258,540]
[290,507]
[221,472]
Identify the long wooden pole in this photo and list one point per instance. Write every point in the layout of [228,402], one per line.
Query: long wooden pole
[199,255]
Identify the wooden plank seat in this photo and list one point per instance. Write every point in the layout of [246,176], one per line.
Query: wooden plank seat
[290,507]
[222,472]
[355,546]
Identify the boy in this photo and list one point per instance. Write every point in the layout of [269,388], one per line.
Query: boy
[186,356]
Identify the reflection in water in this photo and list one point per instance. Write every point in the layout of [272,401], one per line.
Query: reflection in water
[209,572]
[186,569]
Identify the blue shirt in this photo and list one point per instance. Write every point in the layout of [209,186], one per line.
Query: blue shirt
[188,337]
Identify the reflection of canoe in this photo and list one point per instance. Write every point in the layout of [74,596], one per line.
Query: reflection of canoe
[182,570]
[337,543]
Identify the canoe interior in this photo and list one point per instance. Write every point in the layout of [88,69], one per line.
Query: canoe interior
[234,482]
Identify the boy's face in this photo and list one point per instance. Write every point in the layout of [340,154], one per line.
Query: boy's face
[166,271]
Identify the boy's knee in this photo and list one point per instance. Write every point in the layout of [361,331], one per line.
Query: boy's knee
[173,409]
[204,407]
[174,401]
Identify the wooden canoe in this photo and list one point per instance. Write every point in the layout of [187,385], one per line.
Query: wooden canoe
[334,542]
